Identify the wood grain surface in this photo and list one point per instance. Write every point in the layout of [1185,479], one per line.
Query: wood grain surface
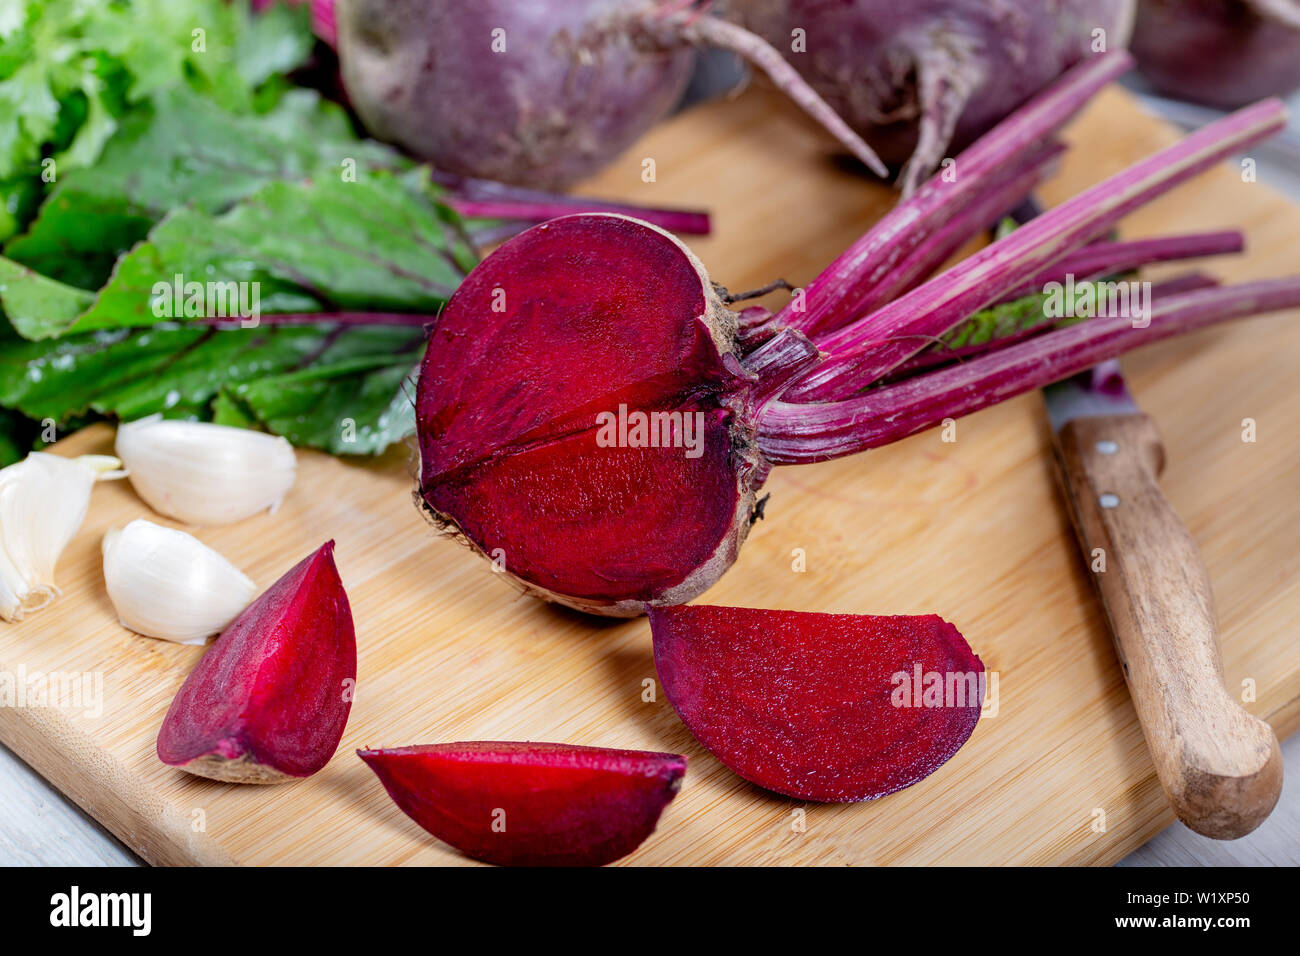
[973,529]
[1220,767]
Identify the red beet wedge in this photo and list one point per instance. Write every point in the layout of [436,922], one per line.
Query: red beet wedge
[593,418]
[269,700]
[825,707]
[531,804]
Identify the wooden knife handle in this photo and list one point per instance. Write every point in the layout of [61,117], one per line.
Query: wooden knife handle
[1220,767]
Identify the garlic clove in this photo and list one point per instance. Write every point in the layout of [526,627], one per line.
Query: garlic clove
[43,501]
[165,583]
[205,474]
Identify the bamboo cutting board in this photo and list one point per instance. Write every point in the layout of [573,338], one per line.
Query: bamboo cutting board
[971,529]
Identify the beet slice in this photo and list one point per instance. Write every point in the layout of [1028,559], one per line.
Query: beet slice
[569,320]
[269,700]
[810,705]
[531,804]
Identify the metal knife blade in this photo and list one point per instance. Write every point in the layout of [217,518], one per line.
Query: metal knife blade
[1098,391]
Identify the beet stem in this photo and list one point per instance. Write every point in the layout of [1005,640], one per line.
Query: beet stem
[684,221]
[486,199]
[778,361]
[397,319]
[872,347]
[838,291]
[967,223]
[1109,258]
[753,327]
[1186,282]
[801,433]
[1092,262]
[323,22]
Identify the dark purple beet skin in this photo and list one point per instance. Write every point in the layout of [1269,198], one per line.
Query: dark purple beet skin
[569,93]
[544,92]
[823,707]
[924,78]
[1222,53]
[531,804]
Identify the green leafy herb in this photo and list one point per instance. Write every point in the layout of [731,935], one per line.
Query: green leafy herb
[349,400]
[998,322]
[184,149]
[16,436]
[72,72]
[357,399]
[38,306]
[185,158]
[379,244]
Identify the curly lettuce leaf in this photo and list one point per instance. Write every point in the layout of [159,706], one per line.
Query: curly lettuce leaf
[71,70]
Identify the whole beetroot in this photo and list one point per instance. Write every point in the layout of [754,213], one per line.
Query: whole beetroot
[424,75]
[922,79]
[541,93]
[1222,53]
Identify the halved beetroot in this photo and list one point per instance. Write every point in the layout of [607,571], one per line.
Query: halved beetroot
[269,700]
[570,320]
[531,804]
[825,707]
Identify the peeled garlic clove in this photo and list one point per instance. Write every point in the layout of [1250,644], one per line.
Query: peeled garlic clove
[205,474]
[166,583]
[43,500]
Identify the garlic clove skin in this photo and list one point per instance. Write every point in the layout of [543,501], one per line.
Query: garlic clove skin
[165,583]
[205,474]
[43,501]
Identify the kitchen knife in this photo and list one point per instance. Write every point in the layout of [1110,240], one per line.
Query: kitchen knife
[1220,767]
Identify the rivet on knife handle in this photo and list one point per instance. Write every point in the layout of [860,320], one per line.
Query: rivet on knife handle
[1220,767]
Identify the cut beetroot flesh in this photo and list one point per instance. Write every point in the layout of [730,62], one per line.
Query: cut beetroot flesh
[569,321]
[810,705]
[269,700]
[531,804]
